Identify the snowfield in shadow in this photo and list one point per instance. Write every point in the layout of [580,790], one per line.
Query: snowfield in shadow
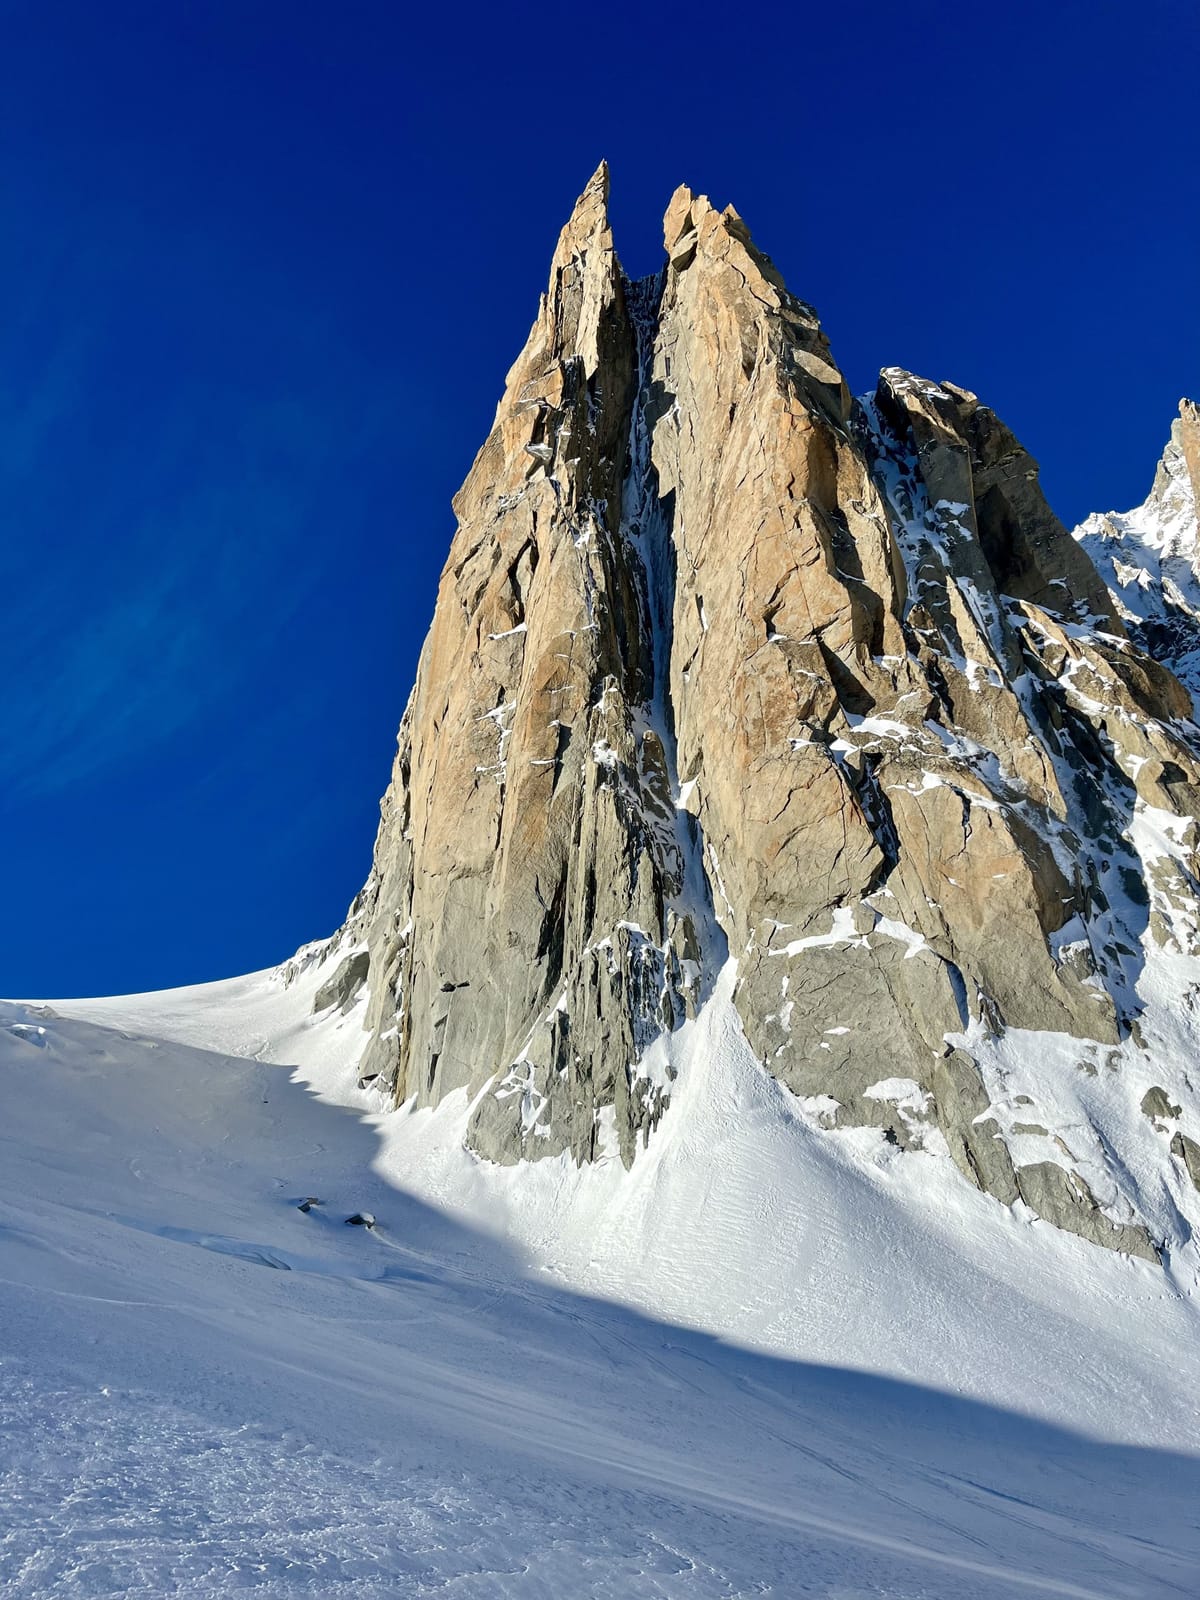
[762,1362]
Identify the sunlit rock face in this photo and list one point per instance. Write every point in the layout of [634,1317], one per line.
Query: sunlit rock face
[726,664]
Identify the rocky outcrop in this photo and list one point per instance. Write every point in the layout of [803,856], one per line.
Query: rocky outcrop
[725,662]
[529,916]
[343,987]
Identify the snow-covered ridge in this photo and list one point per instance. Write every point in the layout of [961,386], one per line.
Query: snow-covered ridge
[1150,557]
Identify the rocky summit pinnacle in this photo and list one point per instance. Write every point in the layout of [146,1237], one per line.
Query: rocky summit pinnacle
[727,665]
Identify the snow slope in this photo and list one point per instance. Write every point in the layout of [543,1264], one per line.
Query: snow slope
[766,1361]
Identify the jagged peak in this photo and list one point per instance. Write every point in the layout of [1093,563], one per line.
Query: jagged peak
[717,247]
[1176,487]
[1185,434]
[902,397]
[588,219]
[686,210]
[1149,556]
[584,280]
[677,220]
[899,380]
[691,221]
[971,459]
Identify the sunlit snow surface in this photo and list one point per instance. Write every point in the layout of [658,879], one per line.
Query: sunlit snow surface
[768,1360]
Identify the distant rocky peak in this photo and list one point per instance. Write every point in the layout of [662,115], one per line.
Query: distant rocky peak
[1176,487]
[1150,557]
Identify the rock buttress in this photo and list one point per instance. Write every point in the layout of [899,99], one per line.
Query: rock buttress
[725,661]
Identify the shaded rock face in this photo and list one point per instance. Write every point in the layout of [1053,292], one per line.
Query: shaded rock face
[342,988]
[726,663]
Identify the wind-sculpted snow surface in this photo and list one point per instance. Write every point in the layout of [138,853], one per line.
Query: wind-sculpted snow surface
[818,1367]
[726,664]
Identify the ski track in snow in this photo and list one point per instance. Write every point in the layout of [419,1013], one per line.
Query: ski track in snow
[764,1362]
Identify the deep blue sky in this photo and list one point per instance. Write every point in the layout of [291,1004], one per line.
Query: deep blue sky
[267,264]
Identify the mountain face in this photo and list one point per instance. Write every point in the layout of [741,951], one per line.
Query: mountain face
[728,666]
